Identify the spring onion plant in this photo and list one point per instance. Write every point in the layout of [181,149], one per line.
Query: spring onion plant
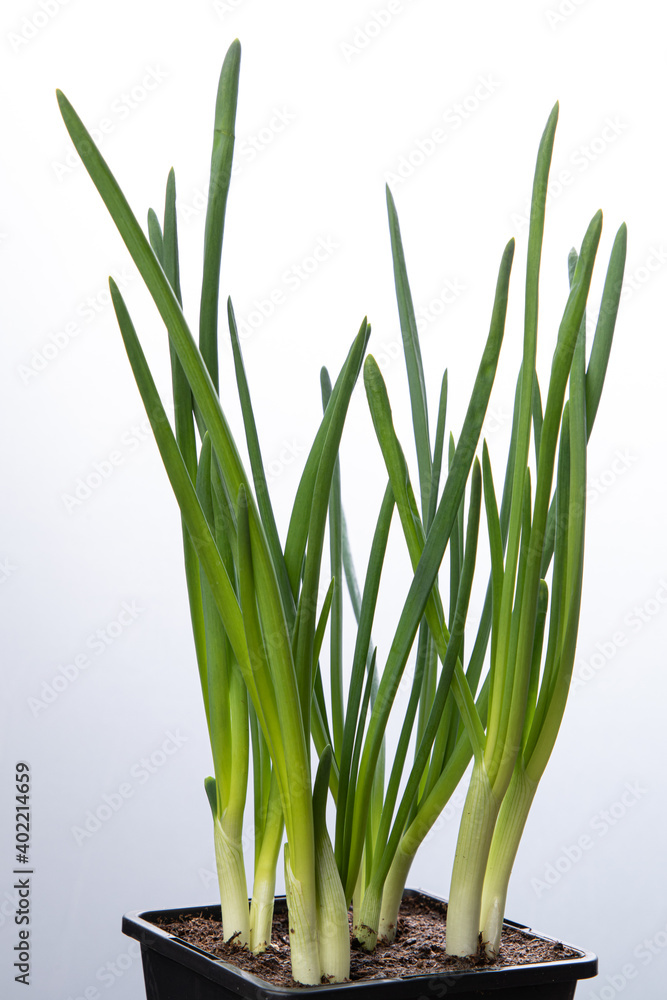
[530,663]
[260,621]
[510,729]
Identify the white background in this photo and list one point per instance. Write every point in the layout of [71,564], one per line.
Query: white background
[341,97]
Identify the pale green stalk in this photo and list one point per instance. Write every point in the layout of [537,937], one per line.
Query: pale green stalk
[506,838]
[264,884]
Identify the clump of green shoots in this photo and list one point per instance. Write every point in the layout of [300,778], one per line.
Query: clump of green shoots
[509,723]
[259,628]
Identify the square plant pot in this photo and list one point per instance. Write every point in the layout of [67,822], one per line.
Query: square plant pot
[175,970]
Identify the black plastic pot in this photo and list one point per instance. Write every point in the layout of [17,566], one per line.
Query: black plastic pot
[175,970]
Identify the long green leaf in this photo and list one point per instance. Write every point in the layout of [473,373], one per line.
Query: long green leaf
[297,534]
[499,762]
[221,173]
[430,561]
[414,535]
[317,524]
[606,324]
[535,238]
[453,652]
[336,559]
[413,360]
[362,650]
[257,468]
[198,528]
[203,390]
[600,350]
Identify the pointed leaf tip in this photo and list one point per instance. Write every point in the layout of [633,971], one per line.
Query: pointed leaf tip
[63,103]
[370,365]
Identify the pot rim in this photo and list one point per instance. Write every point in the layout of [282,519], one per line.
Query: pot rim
[138,924]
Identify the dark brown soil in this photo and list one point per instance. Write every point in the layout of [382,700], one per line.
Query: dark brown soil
[419,948]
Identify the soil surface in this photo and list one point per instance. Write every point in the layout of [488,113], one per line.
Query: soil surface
[419,948]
